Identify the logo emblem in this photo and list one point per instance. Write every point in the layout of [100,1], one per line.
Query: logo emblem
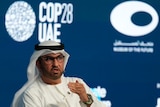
[121,18]
[20,21]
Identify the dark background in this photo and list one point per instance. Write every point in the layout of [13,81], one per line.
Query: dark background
[130,78]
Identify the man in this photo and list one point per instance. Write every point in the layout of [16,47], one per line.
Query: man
[48,87]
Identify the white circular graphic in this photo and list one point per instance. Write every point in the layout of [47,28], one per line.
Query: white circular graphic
[121,18]
[20,21]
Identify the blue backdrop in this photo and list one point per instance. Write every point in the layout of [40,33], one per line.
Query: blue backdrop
[125,65]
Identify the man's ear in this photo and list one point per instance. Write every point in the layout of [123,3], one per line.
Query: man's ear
[38,64]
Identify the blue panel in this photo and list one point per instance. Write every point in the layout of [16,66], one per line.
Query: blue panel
[124,62]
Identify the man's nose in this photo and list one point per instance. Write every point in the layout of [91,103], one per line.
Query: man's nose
[54,61]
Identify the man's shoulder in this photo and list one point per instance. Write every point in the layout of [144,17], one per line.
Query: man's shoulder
[34,87]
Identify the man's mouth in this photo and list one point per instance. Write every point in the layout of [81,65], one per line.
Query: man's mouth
[55,70]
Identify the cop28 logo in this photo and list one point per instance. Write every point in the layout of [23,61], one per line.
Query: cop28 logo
[121,18]
[20,20]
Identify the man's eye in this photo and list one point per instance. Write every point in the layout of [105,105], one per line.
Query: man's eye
[47,58]
[60,57]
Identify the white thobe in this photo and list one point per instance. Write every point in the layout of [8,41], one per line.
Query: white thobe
[40,94]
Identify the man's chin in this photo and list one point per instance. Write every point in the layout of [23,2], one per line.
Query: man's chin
[56,76]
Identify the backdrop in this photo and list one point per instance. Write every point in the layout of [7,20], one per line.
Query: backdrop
[114,46]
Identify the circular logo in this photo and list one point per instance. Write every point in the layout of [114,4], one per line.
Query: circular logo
[20,21]
[121,18]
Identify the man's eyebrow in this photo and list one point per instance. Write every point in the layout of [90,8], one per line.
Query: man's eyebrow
[52,56]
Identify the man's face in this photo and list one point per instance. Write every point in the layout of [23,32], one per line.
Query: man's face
[51,66]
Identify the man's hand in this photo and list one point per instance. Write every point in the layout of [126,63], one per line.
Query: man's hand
[79,89]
